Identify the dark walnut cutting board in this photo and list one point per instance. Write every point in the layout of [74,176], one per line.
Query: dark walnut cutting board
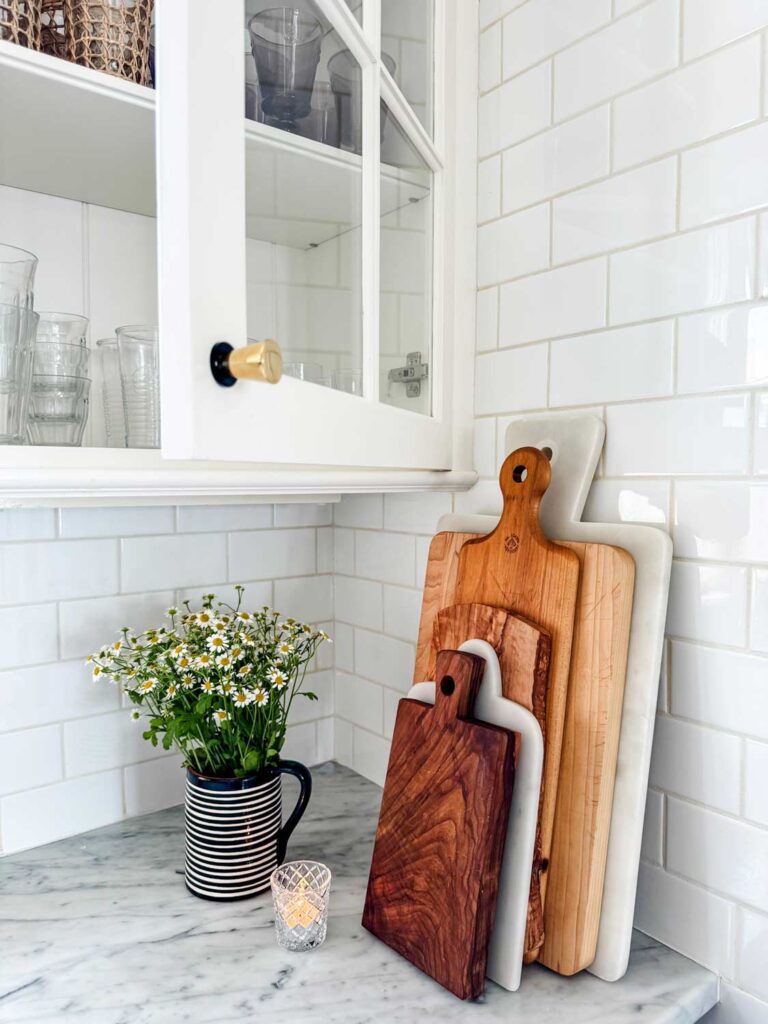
[440,839]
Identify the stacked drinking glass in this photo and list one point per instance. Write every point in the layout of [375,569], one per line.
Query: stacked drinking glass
[61,384]
[18,324]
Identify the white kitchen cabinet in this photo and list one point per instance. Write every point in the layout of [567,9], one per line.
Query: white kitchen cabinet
[352,253]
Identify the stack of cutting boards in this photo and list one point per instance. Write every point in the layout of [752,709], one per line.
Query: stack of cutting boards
[558,616]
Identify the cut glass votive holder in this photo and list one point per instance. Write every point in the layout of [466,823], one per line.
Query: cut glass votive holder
[300,891]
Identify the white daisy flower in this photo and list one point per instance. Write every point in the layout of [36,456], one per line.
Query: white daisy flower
[242,699]
[220,716]
[189,619]
[136,715]
[217,642]
[98,671]
[179,650]
[204,660]
[172,612]
[278,679]
[147,686]
[226,688]
[325,636]
[117,646]
[220,625]
[237,652]
[207,686]
[89,659]
[187,682]
[224,661]
[259,696]
[204,618]
[184,662]
[172,690]
[243,671]
[244,616]
[284,649]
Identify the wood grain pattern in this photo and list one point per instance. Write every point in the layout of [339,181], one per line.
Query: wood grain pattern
[516,567]
[588,758]
[439,590]
[524,652]
[437,858]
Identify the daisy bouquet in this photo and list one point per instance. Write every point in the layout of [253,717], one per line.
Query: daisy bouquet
[218,683]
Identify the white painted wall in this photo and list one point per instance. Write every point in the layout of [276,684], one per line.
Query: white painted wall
[623,268]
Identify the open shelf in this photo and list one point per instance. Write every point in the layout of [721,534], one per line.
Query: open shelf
[80,134]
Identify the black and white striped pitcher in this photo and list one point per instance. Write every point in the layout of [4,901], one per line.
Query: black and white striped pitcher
[234,836]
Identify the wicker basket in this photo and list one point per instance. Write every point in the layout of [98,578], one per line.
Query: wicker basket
[20,22]
[52,37]
[110,35]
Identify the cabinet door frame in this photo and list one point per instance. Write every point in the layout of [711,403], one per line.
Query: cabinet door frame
[201,231]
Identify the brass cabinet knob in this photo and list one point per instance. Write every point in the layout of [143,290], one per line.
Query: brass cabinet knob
[261,360]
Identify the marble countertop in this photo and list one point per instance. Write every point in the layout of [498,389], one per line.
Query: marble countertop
[99,929]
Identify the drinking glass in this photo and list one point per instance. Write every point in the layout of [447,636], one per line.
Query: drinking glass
[300,891]
[17,333]
[347,85]
[286,47]
[65,359]
[140,375]
[62,329]
[111,392]
[322,124]
[312,372]
[58,409]
[350,381]
[17,276]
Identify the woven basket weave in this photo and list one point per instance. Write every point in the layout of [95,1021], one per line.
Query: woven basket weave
[110,36]
[20,22]
[52,37]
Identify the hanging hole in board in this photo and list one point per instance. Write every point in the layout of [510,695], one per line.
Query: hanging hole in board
[447,686]
[519,473]
[547,451]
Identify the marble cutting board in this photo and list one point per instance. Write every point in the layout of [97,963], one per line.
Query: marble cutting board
[575,442]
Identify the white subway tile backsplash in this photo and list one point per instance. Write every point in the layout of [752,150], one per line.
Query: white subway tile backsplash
[344,550]
[564,157]
[698,101]
[301,743]
[29,635]
[723,349]
[115,522]
[724,178]
[621,56]
[514,246]
[755,778]
[402,608]
[722,853]
[634,362]
[388,557]
[559,302]
[628,501]
[721,521]
[384,660]
[699,693]
[415,513]
[151,563]
[709,267]
[301,513]
[708,603]
[511,380]
[489,189]
[761,433]
[325,549]
[358,602]
[483,499]
[698,763]
[343,733]
[269,555]
[324,740]
[514,111]
[623,210]
[684,916]
[371,754]
[88,625]
[101,742]
[653,827]
[344,646]
[751,950]
[30,758]
[366,510]
[685,437]
[52,693]
[709,24]
[737,1007]
[485,447]
[67,808]
[359,701]
[153,785]
[307,598]
[27,524]
[759,628]
[257,593]
[57,569]
[220,518]
[487,326]
[305,710]
[540,28]
[490,58]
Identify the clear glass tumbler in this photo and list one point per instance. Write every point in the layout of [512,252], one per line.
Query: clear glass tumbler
[50,358]
[347,84]
[62,329]
[300,891]
[312,372]
[17,335]
[138,350]
[350,381]
[58,410]
[17,276]
[111,392]
[286,48]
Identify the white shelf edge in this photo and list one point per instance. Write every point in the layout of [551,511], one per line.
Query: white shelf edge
[55,477]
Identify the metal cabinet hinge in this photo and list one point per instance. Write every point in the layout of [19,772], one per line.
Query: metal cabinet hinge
[412,374]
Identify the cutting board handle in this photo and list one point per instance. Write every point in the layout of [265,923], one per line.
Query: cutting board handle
[457,683]
[524,479]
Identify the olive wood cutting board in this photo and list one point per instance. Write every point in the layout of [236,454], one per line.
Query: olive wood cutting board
[440,839]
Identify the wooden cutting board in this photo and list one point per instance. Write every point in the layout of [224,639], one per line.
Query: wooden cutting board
[440,839]
[517,568]
[524,653]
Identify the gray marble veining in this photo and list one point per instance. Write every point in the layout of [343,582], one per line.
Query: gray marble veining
[99,929]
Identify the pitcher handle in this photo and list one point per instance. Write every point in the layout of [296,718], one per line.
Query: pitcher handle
[302,773]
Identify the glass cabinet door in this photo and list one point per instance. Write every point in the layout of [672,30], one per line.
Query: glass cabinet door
[297,184]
